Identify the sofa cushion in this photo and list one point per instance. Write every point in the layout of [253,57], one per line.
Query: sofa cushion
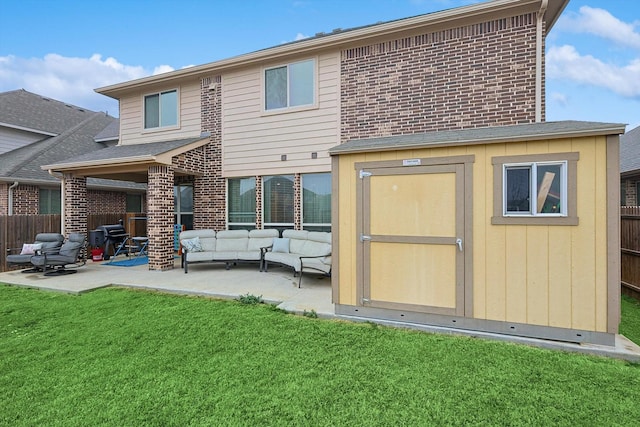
[292,260]
[192,245]
[199,256]
[30,248]
[232,240]
[207,238]
[248,255]
[318,264]
[261,239]
[281,245]
[297,239]
[225,255]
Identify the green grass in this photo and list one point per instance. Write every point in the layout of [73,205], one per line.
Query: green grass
[119,357]
[630,325]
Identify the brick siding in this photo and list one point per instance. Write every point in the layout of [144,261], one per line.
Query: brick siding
[160,217]
[26,200]
[4,199]
[75,204]
[100,201]
[474,76]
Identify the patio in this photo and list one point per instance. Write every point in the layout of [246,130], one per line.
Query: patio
[278,286]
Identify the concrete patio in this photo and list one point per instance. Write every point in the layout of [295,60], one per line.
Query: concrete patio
[278,286]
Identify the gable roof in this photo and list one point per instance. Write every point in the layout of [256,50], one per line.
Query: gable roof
[20,109]
[630,151]
[339,38]
[110,133]
[487,135]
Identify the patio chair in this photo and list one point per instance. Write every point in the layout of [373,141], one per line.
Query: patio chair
[48,243]
[71,253]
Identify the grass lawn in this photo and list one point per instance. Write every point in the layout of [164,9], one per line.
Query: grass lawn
[132,358]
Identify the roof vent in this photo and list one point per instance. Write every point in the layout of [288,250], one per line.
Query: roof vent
[319,34]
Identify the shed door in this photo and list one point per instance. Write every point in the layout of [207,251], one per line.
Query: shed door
[413,238]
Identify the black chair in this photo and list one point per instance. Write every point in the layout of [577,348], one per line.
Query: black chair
[45,243]
[71,253]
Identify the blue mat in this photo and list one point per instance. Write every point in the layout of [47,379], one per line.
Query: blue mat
[132,261]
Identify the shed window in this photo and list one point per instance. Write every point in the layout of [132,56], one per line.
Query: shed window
[537,189]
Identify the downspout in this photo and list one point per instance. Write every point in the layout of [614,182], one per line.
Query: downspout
[14,185]
[539,55]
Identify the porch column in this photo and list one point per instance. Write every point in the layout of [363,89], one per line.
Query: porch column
[297,202]
[75,208]
[160,217]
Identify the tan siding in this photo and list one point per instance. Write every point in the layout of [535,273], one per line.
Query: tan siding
[253,142]
[541,275]
[131,117]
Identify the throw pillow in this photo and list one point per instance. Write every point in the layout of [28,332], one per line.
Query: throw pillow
[281,245]
[30,248]
[192,245]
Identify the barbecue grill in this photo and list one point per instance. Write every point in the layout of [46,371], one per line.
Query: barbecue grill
[110,235]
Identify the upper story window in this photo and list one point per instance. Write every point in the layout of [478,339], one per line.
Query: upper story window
[161,109]
[535,189]
[290,85]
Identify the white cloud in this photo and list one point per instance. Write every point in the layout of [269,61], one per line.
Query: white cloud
[559,98]
[69,79]
[565,62]
[601,23]
[301,36]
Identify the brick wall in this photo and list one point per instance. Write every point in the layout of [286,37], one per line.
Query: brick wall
[4,199]
[474,76]
[26,199]
[106,201]
[259,202]
[209,190]
[75,204]
[629,186]
[160,217]
[297,202]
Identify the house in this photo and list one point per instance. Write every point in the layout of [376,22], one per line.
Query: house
[36,130]
[262,123]
[447,105]
[630,168]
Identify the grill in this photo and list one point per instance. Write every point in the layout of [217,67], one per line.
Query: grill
[110,235]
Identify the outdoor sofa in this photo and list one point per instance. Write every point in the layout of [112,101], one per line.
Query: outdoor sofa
[301,250]
[45,243]
[228,246]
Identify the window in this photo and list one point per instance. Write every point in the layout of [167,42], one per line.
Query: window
[161,109]
[50,201]
[183,206]
[290,85]
[316,202]
[241,202]
[134,203]
[545,181]
[278,201]
[535,189]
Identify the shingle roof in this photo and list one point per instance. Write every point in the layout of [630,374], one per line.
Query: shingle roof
[630,151]
[110,133]
[26,110]
[525,132]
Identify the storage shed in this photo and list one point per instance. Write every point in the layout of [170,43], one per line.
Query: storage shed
[511,230]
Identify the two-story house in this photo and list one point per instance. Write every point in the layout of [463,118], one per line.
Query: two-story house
[249,136]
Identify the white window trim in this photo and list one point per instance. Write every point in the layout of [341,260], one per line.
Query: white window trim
[275,111]
[229,223]
[533,190]
[161,128]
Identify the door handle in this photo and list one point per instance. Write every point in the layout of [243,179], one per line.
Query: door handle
[459,243]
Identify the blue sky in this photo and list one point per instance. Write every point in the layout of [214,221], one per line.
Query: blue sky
[64,49]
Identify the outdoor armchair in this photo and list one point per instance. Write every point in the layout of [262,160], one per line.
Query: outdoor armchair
[71,253]
[45,243]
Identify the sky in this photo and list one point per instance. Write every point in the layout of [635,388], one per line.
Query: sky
[64,49]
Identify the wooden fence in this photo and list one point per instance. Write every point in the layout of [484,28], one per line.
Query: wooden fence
[630,250]
[18,229]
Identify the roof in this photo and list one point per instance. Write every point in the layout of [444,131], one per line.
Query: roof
[24,110]
[487,135]
[361,35]
[129,162]
[110,133]
[630,151]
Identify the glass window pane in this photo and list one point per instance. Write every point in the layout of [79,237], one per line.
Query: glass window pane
[518,189]
[242,200]
[275,88]
[169,108]
[134,203]
[301,83]
[549,188]
[278,199]
[151,111]
[316,198]
[186,198]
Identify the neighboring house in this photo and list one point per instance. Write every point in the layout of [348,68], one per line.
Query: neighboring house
[630,168]
[35,130]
